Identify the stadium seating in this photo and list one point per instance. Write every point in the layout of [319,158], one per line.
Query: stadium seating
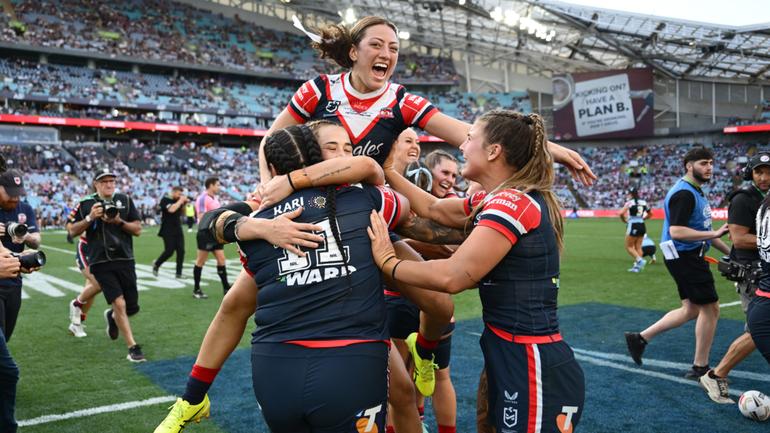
[176,32]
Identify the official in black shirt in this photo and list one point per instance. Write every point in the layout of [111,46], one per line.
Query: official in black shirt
[172,209]
[111,253]
[741,217]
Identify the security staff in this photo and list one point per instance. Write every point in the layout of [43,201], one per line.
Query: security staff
[171,208]
[109,220]
[741,216]
[14,212]
[687,235]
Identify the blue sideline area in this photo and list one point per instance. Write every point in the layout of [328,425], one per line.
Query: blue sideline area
[621,397]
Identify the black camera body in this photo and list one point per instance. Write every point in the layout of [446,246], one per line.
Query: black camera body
[32,260]
[738,272]
[16,230]
[110,208]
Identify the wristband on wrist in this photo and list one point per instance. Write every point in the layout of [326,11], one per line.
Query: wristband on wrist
[298,179]
[291,184]
[393,271]
[88,218]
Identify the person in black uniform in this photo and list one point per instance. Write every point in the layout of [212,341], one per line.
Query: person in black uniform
[172,207]
[634,212]
[758,313]
[110,220]
[741,218]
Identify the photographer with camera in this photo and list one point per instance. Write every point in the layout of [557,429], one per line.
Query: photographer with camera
[110,220]
[18,229]
[741,266]
[171,208]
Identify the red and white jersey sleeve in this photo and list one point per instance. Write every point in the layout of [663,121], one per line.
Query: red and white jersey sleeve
[472,201]
[510,212]
[416,110]
[305,100]
[390,206]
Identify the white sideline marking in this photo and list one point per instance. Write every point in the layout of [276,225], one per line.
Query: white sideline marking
[730,304]
[61,250]
[96,410]
[605,363]
[608,356]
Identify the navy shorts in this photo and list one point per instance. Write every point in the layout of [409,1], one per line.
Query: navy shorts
[693,278]
[404,319]
[334,390]
[532,387]
[81,255]
[758,320]
[636,230]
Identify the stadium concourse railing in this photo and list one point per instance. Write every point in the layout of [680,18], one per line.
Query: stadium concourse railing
[657,213]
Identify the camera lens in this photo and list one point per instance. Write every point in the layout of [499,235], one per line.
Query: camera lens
[33,260]
[111,211]
[17,230]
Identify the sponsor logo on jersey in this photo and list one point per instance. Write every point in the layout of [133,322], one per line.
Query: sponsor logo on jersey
[367,420]
[368,149]
[332,106]
[288,206]
[564,419]
[386,113]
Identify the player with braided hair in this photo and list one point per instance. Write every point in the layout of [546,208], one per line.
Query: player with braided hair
[374,111]
[324,314]
[227,327]
[512,256]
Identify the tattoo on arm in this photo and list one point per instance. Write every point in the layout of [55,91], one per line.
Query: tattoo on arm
[426,230]
[314,181]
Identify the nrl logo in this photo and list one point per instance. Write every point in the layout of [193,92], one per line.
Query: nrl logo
[510,417]
[332,106]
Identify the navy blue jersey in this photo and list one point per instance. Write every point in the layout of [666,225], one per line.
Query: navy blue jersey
[519,294]
[21,214]
[373,120]
[311,298]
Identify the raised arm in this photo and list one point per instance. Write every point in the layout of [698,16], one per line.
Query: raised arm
[336,171]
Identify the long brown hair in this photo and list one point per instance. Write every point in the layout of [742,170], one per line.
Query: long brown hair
[337,40]
[524,142]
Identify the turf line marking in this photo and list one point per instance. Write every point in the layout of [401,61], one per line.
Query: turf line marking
[61,250]
[730,304]
[96,410]
[656,363]
[637,370]
[667,364]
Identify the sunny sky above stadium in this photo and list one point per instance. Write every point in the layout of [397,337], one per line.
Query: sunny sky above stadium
[733,13]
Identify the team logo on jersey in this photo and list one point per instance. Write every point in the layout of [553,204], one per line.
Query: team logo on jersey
[17,180]
[318,202]
[332,106]
[386,113]
[510,416]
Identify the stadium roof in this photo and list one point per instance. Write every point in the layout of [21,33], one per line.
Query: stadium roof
[556,37]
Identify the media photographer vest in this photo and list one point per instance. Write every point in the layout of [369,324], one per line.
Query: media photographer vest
[108,242]
[700,218]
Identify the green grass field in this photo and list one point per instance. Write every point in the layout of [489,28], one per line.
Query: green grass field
[62,374]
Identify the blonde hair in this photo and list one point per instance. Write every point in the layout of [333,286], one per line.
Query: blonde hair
[524,142]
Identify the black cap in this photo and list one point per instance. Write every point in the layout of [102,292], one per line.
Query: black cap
[759,160]
[13,183]
[103,172]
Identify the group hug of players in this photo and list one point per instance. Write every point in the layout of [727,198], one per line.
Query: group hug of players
[342,300]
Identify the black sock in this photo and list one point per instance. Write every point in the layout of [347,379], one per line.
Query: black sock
[195,390]
[222,272]
[197,277]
